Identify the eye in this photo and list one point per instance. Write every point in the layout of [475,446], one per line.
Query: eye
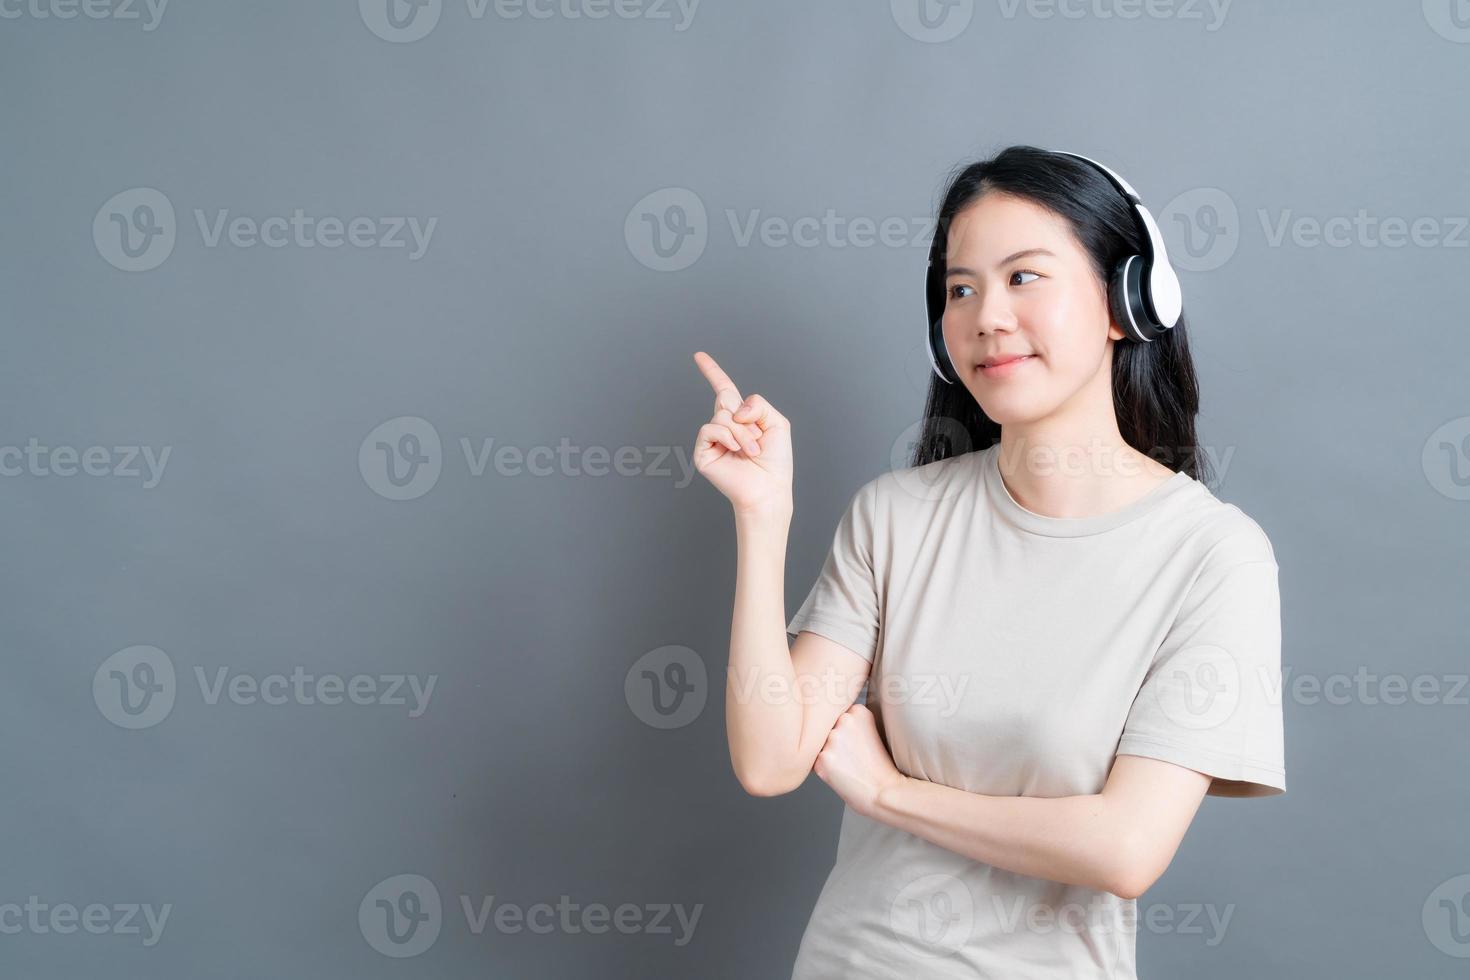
[1018,272]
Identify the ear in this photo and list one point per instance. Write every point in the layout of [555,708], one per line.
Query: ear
[1114,331]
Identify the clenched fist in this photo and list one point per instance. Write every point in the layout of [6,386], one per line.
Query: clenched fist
[855,762]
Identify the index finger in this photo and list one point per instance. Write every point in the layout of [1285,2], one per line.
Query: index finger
[726,394]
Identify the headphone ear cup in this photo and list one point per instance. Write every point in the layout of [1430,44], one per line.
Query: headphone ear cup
[939,353]
[935,300]
[1125,301]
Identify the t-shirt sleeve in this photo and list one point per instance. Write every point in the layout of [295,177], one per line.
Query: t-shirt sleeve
[1211,699]
[843,603]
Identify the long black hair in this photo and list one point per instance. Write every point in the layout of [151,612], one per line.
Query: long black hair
[1155,390]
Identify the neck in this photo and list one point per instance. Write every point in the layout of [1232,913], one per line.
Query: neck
[1075,462]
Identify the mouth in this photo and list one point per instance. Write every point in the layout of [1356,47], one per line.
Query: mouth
[1001,367]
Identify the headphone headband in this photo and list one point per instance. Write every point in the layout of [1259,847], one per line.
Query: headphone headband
[1164,297]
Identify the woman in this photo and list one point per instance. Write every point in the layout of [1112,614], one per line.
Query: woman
[1069,640]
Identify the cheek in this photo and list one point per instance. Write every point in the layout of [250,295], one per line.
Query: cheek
[1071,336]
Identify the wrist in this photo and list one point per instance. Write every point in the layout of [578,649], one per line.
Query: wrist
[775,515]
[890,800]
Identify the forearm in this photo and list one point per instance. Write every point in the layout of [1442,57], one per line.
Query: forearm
[1079,840]
[763,731]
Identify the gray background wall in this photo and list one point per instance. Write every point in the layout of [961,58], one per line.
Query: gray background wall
[273,539]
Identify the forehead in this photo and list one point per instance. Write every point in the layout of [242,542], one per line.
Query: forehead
[995,225]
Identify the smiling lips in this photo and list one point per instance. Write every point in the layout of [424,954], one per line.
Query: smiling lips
[1002,365]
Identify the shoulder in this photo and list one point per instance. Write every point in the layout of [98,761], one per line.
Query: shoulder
[1220,533]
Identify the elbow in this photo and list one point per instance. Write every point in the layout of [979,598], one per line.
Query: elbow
[1134,871]
[1128,885]
[765,783]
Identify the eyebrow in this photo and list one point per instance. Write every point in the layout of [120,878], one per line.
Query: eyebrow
[959,270]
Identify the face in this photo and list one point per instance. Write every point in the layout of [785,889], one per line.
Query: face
[1019,282]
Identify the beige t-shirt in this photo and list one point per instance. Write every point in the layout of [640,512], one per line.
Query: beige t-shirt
[1016,654]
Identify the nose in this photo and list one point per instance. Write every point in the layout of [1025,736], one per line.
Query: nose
[987,313]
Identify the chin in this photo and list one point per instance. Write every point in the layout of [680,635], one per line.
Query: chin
[1012,410]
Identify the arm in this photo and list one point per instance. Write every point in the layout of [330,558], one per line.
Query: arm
[1120,840]
[780,703]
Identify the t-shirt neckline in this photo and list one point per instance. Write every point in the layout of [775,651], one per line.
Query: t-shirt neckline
[1069,527]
